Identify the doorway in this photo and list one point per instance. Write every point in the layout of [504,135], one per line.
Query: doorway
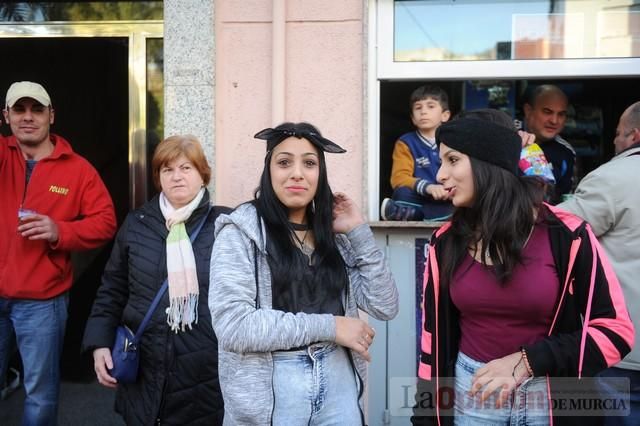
[96,75]
[88,84]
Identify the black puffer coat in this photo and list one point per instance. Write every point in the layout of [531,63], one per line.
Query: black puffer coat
[178,376]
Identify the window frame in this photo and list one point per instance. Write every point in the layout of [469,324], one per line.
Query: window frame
[383,67]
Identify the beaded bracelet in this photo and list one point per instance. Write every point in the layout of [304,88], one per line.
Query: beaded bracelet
[526,362]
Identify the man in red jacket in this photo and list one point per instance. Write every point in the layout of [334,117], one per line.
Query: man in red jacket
[53,202]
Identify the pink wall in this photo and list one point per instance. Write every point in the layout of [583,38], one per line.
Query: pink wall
[324,85]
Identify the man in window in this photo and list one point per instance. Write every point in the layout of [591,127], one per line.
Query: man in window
[545,115]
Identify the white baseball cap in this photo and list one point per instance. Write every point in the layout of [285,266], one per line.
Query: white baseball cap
[27,89]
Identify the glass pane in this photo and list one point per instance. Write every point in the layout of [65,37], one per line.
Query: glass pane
[471,30]
[80,11]
[155,103]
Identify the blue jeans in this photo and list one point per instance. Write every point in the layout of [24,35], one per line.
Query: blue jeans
[527,405]
[611,389]
[315,386]
[426,209]
[39,328]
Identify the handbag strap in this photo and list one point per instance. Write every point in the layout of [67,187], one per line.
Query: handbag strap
[165,284]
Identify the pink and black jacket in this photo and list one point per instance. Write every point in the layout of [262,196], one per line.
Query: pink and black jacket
[591,329]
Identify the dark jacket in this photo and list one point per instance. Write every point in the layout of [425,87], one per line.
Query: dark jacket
[573,349]
[562,157]
[178,375]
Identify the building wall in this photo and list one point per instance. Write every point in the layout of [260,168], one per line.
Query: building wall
[321,57]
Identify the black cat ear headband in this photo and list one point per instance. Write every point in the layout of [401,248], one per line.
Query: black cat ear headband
[275,136]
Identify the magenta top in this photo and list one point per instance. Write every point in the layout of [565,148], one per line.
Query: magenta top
[496,320]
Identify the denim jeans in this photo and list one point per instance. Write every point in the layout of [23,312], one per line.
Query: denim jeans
[315,386]
[426,209]
[39,329]
[527,405]
[610,389]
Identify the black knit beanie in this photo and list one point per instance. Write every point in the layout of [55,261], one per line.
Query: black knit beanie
[489,114]
[482,140]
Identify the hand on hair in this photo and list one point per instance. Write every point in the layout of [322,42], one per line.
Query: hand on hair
[353,333]
[346,214]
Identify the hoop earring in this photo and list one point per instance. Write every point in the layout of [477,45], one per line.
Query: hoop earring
[313,206]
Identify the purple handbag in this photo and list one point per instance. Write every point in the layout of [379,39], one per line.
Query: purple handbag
[124,355]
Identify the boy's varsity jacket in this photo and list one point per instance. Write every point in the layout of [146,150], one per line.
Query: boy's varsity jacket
[414,160]
[591,329]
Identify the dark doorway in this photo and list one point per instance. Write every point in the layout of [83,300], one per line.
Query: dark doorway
[87,79]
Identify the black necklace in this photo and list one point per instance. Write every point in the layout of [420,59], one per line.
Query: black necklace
[305,249]
[299,226]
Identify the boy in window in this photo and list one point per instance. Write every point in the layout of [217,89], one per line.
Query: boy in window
[416,193]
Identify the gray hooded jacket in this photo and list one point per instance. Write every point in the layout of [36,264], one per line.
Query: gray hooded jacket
[247,336]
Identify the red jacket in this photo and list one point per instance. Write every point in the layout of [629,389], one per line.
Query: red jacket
[65,187]
[591,329]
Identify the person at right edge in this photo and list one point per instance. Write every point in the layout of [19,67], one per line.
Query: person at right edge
[509,362]
[605,200]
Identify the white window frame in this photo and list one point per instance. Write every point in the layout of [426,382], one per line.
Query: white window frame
[383,67]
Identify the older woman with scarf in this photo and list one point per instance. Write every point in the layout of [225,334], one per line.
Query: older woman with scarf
[289,272]
[178,376]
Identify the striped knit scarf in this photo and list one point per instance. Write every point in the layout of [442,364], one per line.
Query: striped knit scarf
[181,265]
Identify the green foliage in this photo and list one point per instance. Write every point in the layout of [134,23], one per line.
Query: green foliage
[80,11]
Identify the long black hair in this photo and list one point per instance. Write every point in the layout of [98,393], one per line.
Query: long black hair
[501,217]
[319,214]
